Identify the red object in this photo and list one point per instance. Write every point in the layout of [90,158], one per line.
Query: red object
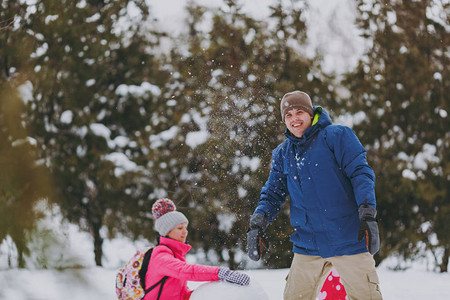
[333,289]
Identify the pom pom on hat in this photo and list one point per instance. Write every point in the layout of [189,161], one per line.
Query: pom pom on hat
[166,215]
[162,206]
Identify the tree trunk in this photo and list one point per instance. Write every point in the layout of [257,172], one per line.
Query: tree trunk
[94,218]
[231,262]
[98,243]
[444,265]
[21,261]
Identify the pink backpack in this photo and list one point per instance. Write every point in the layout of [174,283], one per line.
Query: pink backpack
[130,279]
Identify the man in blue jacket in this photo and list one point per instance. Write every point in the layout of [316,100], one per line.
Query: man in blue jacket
[324,170]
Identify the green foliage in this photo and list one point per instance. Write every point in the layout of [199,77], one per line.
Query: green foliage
[235,82]
[402,86]
[23,181]
[100,93]
[80,55]
[23,178]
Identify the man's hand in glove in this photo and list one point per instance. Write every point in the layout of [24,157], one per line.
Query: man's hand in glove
[369,228]
[255,236]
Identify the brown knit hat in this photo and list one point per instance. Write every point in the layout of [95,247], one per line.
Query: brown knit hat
[298,100]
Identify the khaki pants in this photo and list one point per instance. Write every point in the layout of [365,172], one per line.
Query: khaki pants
[308,273]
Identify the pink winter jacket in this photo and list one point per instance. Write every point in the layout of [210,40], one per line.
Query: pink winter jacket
[163,263]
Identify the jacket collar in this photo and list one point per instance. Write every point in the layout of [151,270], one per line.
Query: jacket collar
[324,120]
[177,247]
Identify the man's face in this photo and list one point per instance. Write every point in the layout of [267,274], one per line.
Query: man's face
[297,121]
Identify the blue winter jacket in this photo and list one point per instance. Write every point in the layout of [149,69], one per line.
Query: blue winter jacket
[326,175]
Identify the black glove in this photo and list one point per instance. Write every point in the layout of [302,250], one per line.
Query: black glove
[369,228]
[255,236]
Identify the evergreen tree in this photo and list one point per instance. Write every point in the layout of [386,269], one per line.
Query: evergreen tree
[235,74]
[23,180]
[89,59]
[401,86]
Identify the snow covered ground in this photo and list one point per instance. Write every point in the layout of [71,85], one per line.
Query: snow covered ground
[88,282]
[98,283]
[65,245]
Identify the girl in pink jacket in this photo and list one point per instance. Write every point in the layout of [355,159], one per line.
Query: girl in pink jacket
[168,259]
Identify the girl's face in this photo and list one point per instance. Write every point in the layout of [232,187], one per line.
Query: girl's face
[179,232]
[297,121]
